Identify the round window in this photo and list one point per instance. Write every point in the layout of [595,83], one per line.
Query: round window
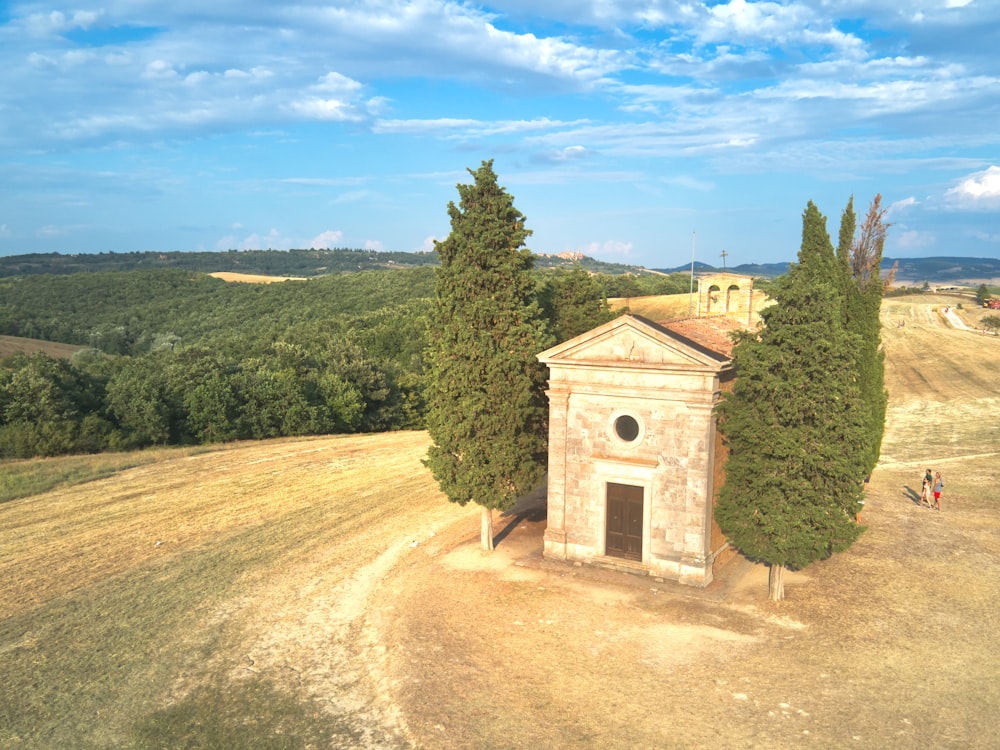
[627,428]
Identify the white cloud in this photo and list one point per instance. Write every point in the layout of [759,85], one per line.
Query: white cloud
[982,186]
[57,22]
[910,239]
[609,247]
[375,245]
[273,240]
[985,236]
[333,110]
[329,238]
[336,83]
[900,206]
[159,69]
[428,244]
[979,191]
[446,126]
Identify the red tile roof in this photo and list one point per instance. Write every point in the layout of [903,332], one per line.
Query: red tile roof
[712,332]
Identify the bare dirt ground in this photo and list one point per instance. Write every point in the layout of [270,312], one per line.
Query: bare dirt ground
[334,569]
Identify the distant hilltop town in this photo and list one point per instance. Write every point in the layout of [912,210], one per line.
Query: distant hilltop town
[568,255]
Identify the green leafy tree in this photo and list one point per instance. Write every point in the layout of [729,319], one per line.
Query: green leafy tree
[202,384]
[138,398]
[487,413]
[982,294]
[793,486]
[37,413]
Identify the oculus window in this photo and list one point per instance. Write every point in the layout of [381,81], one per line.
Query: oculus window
[627,428]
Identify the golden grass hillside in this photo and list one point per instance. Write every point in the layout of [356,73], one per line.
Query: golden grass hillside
[253,278]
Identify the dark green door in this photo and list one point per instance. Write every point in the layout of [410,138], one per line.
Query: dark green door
[624,522]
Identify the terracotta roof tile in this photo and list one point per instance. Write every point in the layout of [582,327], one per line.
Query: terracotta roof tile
[712,332]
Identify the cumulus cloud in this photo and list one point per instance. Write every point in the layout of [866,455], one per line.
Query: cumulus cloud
[57,22]
[329,238]
[375,245]
[979,190]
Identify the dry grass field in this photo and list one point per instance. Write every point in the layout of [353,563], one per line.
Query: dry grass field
[253,278]
[15,344]
[320,593]
[668,306]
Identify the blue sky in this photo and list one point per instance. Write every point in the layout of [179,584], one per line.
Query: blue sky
[628,130]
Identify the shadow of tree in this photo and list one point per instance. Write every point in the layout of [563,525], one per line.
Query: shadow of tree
[531,507]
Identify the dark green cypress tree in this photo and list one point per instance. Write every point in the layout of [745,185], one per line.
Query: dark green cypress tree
[574,303]
[487,413]
[860,261]
[792,487]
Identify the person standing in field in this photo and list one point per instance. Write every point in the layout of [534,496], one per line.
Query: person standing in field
[938,489]
[925,489]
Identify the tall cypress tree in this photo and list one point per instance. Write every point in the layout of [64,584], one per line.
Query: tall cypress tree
[487,413]
[792,486]
[859,262]
[866,262]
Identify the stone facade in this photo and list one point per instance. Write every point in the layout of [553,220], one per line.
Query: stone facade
[631,411]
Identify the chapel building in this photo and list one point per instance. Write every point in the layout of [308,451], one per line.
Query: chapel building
[635,458]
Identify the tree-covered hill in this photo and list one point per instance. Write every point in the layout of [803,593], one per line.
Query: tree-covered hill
[272,262]
[175,356]
[301,263]
[128,312]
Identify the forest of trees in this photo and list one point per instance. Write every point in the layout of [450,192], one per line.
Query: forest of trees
[179,357]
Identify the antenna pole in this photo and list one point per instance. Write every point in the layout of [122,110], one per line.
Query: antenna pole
[691,296]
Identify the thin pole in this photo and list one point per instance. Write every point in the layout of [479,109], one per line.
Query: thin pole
[691,296]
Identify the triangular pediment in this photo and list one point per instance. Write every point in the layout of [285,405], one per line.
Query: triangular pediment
[633,341]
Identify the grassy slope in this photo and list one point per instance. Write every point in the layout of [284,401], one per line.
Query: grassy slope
[127,604]
[15,344]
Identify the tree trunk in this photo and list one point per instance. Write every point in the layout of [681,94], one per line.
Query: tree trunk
[776,583]
[486,530]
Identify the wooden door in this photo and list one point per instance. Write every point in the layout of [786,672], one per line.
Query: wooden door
[623,536]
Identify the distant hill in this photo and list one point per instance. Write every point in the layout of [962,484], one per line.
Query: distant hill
[312,262]
[756,270]
[971,271]
[262,262]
